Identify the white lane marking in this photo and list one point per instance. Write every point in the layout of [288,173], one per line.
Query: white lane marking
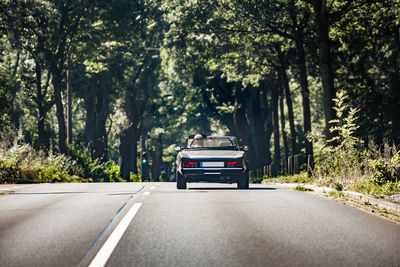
[153,187]
[157,183]
[146,193]
[108,247]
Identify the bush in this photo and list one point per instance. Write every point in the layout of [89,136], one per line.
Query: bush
[296,178]
[134,178]
[302,188]
[385,170]
[341,160]
[23,164]
[344,163]
[94,168]
[370,187]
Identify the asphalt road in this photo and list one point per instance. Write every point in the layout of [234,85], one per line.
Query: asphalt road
[153,224]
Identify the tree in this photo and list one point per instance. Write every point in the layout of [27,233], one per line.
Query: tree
[51,27]
[287,19]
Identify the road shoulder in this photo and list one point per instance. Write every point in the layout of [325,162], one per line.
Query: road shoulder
[380,207]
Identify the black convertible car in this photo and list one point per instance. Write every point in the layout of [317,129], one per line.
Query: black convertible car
[217,159]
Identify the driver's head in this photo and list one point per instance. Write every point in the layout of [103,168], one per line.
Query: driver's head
[198,140]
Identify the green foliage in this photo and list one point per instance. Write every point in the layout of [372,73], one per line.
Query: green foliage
[302,188]
[174,67]
[341,159]
[345,126]
[337,194]
[297,178]
[385,170]
[343,162]
[94,168]
[23,164]
[338,186]
[370,187]
[134,178]
[113,172]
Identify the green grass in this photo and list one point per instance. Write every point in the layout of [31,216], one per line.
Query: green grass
[302,188]
[24,164]
[337,194]
[368,187]
[364,186]
[284,179]
[256,180]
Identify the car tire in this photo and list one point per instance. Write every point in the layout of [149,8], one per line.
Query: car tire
[180,181]
[243,182]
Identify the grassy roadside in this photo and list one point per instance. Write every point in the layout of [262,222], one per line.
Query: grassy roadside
[282,179]
[388,192]
[365,205]
[24,164]
[363,185]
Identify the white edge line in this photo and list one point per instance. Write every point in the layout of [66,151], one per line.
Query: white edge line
[108,247]
[146,193]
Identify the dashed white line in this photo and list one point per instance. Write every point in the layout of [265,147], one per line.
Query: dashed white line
[153,187]
[108,247]
[146,193]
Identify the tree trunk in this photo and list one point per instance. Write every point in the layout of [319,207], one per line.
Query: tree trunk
[128,152]
[285,83]
[242,127]
[62,131]
[157,160]
[14,113]
[394,102]
[102,111]
[284,137]
[267,124]
[305,92]
[90,118]
[41,115]
[69,105]
[97,105]
[129,139]
[256,119]
[394,89]
[325,63]
[276,166]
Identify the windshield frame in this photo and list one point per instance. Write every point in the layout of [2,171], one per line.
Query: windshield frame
[235,145]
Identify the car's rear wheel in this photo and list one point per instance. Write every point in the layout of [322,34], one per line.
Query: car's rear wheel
[180,181]
[243,181]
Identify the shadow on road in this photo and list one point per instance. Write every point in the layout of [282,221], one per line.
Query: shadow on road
[115,193]
[48,193]
[233,189]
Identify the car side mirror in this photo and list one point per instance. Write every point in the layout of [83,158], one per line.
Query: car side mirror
[245,148]
[178,148]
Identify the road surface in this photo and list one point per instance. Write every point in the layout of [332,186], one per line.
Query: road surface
[153,224]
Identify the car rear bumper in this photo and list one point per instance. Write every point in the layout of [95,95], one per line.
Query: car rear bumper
[217,175]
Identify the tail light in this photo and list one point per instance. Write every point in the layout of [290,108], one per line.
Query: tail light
[234,164]
[190,164]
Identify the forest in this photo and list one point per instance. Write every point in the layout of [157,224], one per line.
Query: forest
[104,90]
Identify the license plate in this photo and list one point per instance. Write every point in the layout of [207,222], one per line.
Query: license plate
[212,164]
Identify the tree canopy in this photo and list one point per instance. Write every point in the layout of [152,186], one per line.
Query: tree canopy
[116,79]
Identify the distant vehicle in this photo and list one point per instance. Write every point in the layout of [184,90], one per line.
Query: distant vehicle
[217,159]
